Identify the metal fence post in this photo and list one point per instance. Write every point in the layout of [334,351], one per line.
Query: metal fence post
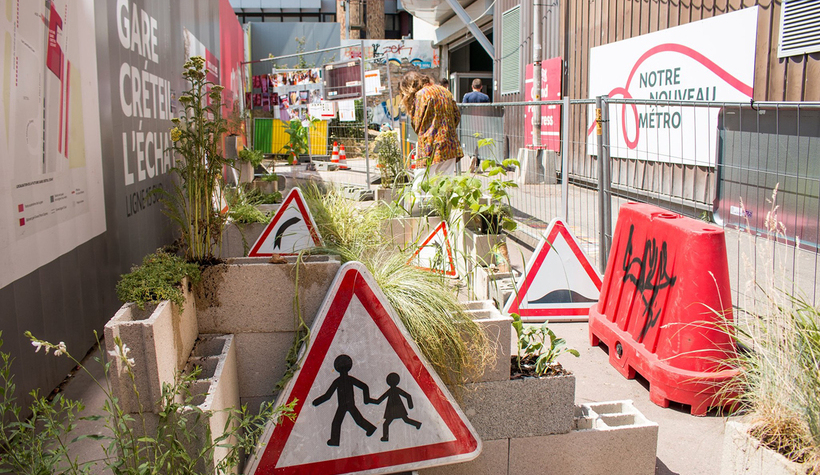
[565,160]
[606,242]
[364,119]
[601,200]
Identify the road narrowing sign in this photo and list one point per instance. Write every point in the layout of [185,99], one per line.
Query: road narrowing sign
[559,283]
[367,402]
[291,230]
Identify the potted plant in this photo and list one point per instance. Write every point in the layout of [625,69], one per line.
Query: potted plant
[197,137]
[267,183]
[390,163]
[249,161]
[298,146]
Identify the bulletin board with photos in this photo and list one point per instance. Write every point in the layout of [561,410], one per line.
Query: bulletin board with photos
[293,93]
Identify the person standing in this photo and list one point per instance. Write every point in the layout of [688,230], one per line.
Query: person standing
[476,96]
[434,115]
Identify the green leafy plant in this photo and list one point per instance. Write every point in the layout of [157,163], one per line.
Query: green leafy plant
[538,347]
[441,198]
[496,213]
[269,177]
[158,278]
[197,137]
[247,214]
[36,444]
[178,440]
[255,157]
[298,138]
[390,160]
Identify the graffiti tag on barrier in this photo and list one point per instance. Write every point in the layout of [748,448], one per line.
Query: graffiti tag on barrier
[650,276]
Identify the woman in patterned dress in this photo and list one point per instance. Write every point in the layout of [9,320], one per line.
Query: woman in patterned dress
[435,117]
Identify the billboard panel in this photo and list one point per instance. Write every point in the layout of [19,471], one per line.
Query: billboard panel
[707,60]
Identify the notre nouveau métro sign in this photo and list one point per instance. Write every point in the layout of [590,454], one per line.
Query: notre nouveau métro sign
[708,60]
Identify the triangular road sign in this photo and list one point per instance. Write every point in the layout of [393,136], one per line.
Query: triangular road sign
[367,402]
[559,283]
[291,230]
[435,253]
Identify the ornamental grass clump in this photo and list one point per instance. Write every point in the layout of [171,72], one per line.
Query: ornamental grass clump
[197,137]
[425,301]
[779,374]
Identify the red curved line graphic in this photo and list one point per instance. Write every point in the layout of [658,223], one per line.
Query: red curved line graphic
[674,48]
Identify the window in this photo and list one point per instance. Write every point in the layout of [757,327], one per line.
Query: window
[511,50]
[799,28]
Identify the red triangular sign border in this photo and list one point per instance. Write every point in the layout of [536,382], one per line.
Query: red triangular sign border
[294,195]
[534,266]
[354,279]
[451,272]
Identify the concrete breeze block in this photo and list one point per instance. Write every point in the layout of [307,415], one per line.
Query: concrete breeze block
[261,361]
[744,454]
[219,388]
[520,408]
[159,341]
[498,329]
[237,239]
[252,295]
[486,281]
[610,438]
[492,460]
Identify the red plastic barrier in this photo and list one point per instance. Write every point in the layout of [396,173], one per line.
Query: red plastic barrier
[663,302]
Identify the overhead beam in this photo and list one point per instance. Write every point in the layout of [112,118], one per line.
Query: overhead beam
[477,33]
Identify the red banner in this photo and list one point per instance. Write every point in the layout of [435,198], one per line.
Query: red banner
[232,53]
[551,72]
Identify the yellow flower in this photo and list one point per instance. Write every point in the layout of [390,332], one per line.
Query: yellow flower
[176,134]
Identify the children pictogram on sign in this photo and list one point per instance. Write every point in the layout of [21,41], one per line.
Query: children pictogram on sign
[395,407]
[344,386]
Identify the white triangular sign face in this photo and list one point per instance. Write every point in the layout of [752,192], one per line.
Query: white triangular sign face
[435,253]
[291,230]
[559,282]
[367,402]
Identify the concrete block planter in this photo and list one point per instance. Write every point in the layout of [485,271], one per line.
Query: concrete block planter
[266,187]
[387,195]
[254,300]
[237,239]
[216,389]
[251,295]
[409,230]
[744,454]
[526,407]
[498,329]
[480,249]
[160,339]
[610,438]
[487,281]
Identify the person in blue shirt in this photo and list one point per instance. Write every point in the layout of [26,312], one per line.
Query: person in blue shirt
[476,96]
